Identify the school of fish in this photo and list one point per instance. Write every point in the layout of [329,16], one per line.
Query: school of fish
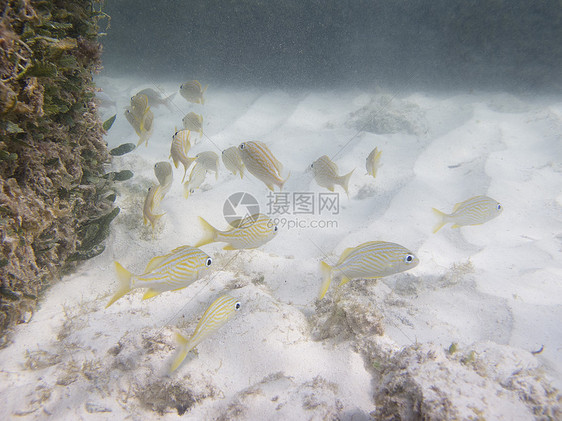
[186,264]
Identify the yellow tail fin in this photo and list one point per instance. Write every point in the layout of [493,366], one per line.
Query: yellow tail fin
[210,233]
[183,349]
[124,277]
[442,220]
[327,278]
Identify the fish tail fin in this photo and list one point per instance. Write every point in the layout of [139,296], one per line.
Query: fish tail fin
[284,181]
[344,181]
[442,220]
[168,101]
[210,233]
[186,166]
[327,278]
[183,349]
[124,277]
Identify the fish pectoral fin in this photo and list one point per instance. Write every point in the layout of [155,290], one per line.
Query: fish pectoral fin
[150,293]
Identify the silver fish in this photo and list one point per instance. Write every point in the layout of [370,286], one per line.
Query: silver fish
[259,161]
[193,91]
[193,122]
[252,232]
[373,259]
[156,99]
[209,160]
[473,211]
[326,174]
[232,161]
[163,172]
[175,270]
[216,315]
[195,180]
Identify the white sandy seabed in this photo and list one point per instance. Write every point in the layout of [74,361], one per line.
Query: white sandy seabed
[371,349]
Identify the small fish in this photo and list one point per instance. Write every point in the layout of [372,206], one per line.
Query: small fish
[145,127]
[373,162]
[133,121]
[139,105]
[473,211]
[218,313]
[151,203]
[209,160]
[164,175]
[193,122]
[105,100]
[232,161]
[195,180]
[326,174]
[180,147]
[259,160]
[373,259]
[156,99]
[193,91]
[175,270]
[248,233]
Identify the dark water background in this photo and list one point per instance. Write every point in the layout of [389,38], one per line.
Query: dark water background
[443,44]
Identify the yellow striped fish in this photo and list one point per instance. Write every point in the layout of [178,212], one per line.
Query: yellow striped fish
[373,259]
[179,149]
[473,211]
[373,162]
[232,161]
[151,202]
[326,174]
[248,233]
[175,270]
[218,313]
[259,160]
[193,91]
[193,122]
[139,105]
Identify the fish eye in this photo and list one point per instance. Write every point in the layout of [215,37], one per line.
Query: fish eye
[237,306]
[275,228]
[409,258]
[208,262]
[242,146]
[312,165]
[499,207]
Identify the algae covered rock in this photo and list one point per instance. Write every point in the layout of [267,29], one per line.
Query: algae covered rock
[51,147]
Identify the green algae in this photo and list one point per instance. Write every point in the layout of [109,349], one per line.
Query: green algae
[49,130]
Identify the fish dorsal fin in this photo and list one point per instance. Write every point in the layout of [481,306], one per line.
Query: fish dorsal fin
[153,263]
[345,255]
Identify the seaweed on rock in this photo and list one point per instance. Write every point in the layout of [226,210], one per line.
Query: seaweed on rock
[51,148]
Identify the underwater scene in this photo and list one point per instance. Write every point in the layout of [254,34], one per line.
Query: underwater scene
[290,210]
